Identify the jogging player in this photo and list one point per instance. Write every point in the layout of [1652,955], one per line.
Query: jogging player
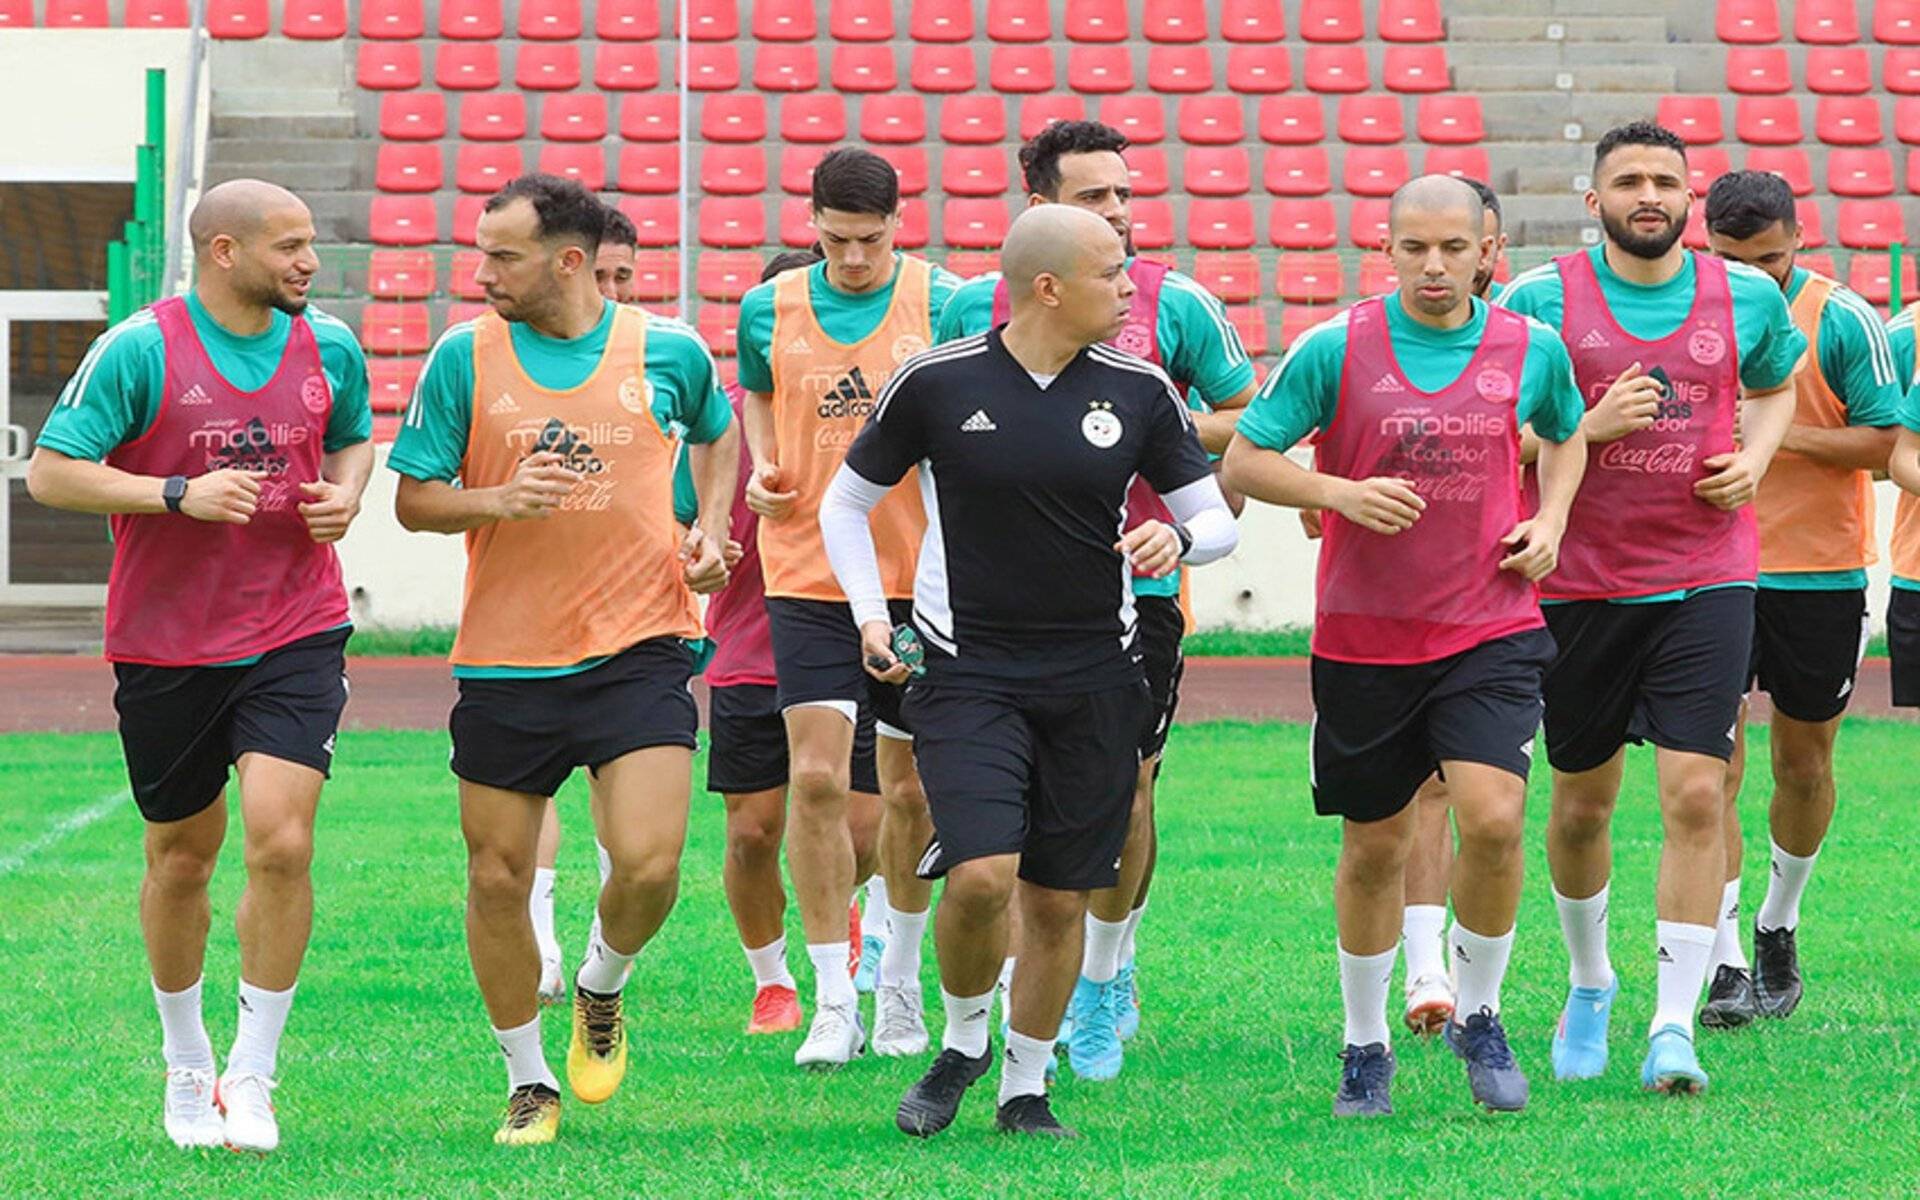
[1903,601]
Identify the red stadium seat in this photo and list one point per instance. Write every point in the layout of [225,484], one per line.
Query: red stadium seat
[1018,21]
[785,67]
[1900,71]
[1826,22]
[941,21]
[733,170]
[1906,120]
[783,21]
[1142,116]
[1788,162]
[1759,70]
[141,14]
[1337,69]
[394,20]
[574,117]
[493,117]
[1296,319]
[969,120]
[1896,22]
[711,20]
[1913,173]
[1250,322]
[974,171]
[1847,120]
[1259,21]
[467,67]
[732,222]
[549,20]
[1233,277]
[861,21]
[974,224]
[893,119]
[736,118]
[75,14]
[388,66]
[390,383]
[1180,69]
[1218,171]
[1211,120]
[306,20]
[400,274]
[1309,278]
[1375,170]
[649,169]
[413,116]
[1748,22]
[816,118]
[1871,275]
[1411,21]
[719,326]
[407,167]
[477,20]
[1292,120]
[1695,118]
[1812,233]
[711,67]
[1298,171]
[1450,120]
[626,20]
[1367,224]
[403,221]
[547,67]
[626,67]
[486,167]
[916,227]
[1871,224]
[1767,120]
[653,117]
[242,20]
[1020,69]
[1147,168]
[1259,70]
[584,164]
[1220,224]
[862,67]
[1860,171]
[656,219]
[1839,71]
[1097,70]
[1695,236]
[1332,21]
[1819,264]
[1704,165]
[909,162]
[466,218]
[1175,21]
[1374,119]
[971,264]
[1416,69]
[941,69]
[1096,20]
[1038,112]
[1152,224]
[1468,162]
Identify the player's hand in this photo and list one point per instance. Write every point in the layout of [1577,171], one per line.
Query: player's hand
[1152,548]
[1380,504]
[733,554]
[702,563]
[1310,523]
[876,653]
[764,496]
[1535,546]
[329,512]
[1631,404]
[539,484]
[225,497]
[1734,480]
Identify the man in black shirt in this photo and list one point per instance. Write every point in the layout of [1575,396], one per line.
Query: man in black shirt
[1028,719]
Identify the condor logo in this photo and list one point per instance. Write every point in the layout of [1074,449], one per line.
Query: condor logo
[570,442]
[848,397]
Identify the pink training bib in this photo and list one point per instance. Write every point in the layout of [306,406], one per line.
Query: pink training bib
[1636,528]
[1435,589]
[188,593]
[737,615]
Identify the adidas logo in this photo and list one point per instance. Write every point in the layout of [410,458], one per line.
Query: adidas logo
[1664,956]
[1460,952]
[504,404]
[196,395]
[328,744]
[1387,384]
[1595,340]
[849,397]
[978,1014]
[799,345]
[1844,689]
[979,422]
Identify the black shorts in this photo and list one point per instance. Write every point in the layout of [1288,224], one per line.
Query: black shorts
[1807,648]
[1049,778]
[1161,626]
[1903,645]
[816,656]
[1672,673]
[182,727]
[527,735]
[747,749]
[1379,731]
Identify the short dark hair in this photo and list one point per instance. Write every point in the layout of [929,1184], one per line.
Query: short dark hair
[1489,199]
[789,260]
[856,181]
[1637,133]
[1040,158]
[566,211]
[1741,204]
[619,230]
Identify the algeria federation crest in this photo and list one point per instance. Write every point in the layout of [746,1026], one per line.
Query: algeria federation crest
[636,394]
[314,394]
[1100,426]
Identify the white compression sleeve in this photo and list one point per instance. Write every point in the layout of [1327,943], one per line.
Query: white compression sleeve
[1203,510]
[849,540]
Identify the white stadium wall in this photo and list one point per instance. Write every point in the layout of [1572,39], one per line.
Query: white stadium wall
[100,77]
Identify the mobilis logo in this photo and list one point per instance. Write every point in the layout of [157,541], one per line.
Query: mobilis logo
[1477,424]
[254,437]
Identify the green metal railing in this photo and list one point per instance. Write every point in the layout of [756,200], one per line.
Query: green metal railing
[137,264]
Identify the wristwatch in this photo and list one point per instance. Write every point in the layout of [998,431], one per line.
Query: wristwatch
[174,491]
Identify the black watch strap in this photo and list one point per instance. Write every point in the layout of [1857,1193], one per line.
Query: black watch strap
[174,491]
[1186,539]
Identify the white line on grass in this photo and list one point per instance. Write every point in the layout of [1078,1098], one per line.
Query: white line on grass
[67,827]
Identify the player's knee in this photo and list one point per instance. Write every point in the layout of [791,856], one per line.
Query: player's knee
[905,799]
[182,866]
[753,839]
[496,879]
[813,783]
[1693,807]
[1803,776]
[282,853]
[655,870]
[1580,817]
[1493,832]
[1370,860]
[978,888]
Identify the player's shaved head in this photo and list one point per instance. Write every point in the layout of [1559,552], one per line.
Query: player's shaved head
[1053,239]
[1066,272]
[252,250]
[240,209]
[1435,194]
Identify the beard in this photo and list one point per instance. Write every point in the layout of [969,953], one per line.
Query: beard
[1643,245]
[1482,282]
[288,305]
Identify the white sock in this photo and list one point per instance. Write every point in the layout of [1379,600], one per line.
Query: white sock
[968,1020]
[1682,972]
[1006,976]
[256,1040]
[901,962]
[183,1034]
[540,906]
[1133,924]
[1781,908]
[526,1061]
[1726,934]
[1583,924]
[1100,958]
[769,964]
[874,919]
[606,862]
[831,984]
[604,970]
[1479,964]
[1363,990]
[1423,935]
[1023,1069]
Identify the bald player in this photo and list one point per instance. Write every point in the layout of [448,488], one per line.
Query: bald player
[1429,648]
[1027,722]
[225,434]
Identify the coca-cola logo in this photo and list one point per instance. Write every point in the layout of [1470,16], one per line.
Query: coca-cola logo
[1667,458]
[1706,346]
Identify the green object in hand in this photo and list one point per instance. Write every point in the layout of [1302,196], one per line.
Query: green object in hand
[908,649]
